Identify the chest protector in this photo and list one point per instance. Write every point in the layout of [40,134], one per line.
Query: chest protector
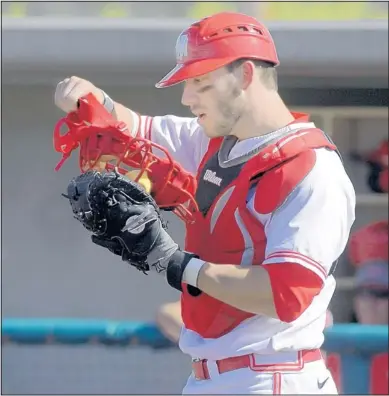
[225,231]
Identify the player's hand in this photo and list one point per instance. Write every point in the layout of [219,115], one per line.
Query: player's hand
[71,89]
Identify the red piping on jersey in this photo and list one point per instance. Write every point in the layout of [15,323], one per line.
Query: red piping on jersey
[276,383]
[294,255]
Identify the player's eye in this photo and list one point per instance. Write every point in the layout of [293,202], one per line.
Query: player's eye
[205,88]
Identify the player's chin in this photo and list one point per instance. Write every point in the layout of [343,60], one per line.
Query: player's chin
[211,131]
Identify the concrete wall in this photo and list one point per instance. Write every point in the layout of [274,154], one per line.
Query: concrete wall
[317,53]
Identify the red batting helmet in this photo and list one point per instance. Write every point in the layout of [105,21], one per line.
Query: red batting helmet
[216,41]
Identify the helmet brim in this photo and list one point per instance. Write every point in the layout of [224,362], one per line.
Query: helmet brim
[183,72]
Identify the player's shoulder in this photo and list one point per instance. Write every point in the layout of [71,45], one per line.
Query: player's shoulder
[190,123]
[311,173]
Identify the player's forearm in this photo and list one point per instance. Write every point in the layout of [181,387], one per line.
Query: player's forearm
[248,289]
[279,290]
[122,113]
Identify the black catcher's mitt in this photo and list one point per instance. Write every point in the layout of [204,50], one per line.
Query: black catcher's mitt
[122,217]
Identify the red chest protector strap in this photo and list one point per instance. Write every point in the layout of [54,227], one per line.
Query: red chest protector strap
[269,158]
[284,150]
[275,154]
[213,147]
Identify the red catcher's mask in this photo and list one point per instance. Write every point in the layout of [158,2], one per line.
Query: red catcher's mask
[106,144]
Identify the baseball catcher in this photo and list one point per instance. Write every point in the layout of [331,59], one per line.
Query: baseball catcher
[126,220]
[267,204]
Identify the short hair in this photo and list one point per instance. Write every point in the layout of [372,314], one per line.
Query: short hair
[268,71]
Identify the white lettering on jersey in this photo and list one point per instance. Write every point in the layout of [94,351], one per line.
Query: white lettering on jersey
[211,177]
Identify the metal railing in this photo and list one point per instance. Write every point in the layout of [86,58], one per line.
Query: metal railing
[355,346]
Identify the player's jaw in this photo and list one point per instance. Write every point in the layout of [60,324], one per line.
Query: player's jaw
[222,117]
[215,100]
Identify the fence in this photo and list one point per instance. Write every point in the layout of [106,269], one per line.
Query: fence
[357,356]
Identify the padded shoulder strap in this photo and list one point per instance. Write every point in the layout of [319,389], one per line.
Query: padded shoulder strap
[213,147]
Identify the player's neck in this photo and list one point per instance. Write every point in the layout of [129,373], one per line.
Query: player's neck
[267,116]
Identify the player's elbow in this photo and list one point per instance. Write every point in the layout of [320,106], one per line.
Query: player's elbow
[168,320]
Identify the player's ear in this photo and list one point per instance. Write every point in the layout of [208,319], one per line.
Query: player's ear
[247,72]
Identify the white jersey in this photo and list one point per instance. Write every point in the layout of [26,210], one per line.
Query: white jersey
[311,228]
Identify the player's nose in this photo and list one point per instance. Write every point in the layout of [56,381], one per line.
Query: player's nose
[188,96]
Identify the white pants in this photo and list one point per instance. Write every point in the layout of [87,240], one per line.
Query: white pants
[313,378]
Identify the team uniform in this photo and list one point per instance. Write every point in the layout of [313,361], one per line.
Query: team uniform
[283,201]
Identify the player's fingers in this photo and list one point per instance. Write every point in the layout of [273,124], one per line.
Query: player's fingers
[61,94]
[69,93]
[79,89]
[70,85]
[71,89]
[59,90]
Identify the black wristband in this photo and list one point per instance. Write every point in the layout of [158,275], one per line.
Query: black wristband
[176,267]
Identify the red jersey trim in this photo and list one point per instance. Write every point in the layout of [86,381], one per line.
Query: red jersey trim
[305,261]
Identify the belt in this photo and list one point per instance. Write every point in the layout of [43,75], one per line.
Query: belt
[201,372]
